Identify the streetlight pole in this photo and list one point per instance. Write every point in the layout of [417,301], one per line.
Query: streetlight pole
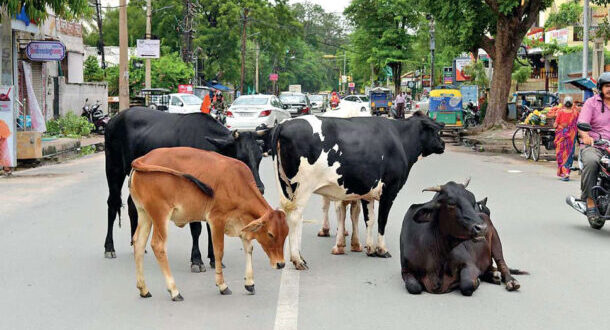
[148,17]
[123,58]
[432,47]
[585,40]
[344,73]
[243,50]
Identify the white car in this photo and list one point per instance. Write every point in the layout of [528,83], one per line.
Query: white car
[184,103]
[360,102]
[250,111]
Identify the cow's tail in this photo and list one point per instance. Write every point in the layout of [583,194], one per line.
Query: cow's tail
[139,166]
[518,272]
[275,135]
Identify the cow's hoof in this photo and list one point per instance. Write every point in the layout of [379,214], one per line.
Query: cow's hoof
[324,233]
[249,288]
[382,254]
[467,292]
[213,264]
[226,292]
[110,254]
[356,248]
[178,298]
[512,285]
[147,295]
[300,265]
[370,251]
[197,268]
[346,233]
[338,250]
[497,277]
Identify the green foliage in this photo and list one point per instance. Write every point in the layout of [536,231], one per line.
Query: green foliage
[92,70]
[477,74]
[569,14]
[521,73]
[37,10]
[70,125]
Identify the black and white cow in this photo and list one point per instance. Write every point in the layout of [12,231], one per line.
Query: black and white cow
[348,159]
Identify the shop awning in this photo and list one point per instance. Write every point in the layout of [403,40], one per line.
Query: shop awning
[220,87]
[581,83]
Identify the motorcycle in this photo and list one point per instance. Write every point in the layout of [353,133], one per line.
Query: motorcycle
[218,114]
[96,116]
[601,191]
[471,116]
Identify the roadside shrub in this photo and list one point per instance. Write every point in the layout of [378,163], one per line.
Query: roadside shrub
[70,125]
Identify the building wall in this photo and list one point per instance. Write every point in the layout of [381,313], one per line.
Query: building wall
[72,96]
[75,68]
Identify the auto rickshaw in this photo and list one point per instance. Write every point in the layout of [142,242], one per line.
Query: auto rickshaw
[381,100]
[156,98]
[446,107]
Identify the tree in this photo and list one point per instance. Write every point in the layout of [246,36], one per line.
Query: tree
[521,73]
[478,75]
[569,14]
[386,26]
[497,26]
[92,70]
[37,10]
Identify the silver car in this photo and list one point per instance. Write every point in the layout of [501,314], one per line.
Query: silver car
[251,111]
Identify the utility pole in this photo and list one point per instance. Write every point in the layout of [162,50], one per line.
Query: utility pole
[256,73]
[432,47]
[100,42]
[344,73]
[585,40]
[187,32]
[148,17]
[123,58]
[243,50]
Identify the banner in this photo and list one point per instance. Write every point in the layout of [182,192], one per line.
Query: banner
[445,103]
[460,64]
[148,48]
[8,152]
[45,51]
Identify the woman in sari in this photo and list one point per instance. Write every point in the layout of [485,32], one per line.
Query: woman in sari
[565,137]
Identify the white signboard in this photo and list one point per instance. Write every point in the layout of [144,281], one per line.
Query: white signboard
[294,88]
[562,36]
[148,48]
[8,152]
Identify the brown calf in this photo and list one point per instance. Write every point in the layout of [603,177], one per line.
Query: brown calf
[186,185]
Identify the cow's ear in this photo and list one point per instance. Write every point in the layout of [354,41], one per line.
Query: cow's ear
[483,202]
[221,144]
[426,212]
[253,226]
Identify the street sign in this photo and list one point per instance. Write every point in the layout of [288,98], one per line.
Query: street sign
[410,84]
[351,85]
[344,79]
[273,76]
[188,89]
[148,48]
[45,51]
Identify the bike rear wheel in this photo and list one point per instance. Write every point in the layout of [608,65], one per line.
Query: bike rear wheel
[518,138]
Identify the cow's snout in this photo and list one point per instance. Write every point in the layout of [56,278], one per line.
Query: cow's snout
[280,265]
[478,231]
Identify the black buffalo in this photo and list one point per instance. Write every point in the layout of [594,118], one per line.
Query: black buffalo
[449,243]
[135,132]
[348,159]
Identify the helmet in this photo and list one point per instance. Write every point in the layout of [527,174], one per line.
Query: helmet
[567,101]
[603,79]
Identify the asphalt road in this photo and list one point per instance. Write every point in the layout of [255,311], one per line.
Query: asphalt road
[53,274]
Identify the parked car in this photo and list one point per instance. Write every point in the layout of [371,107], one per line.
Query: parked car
[298,103]
[422,105]
[319,102]
[250,111]
[184,103]
[359,102]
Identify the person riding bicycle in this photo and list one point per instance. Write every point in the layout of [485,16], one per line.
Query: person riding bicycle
[596,112]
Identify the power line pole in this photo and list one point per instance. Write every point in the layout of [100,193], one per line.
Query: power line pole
[256,73]
[187,33]
[243,50]
[100,42]
[585,41]
[344,73]
[148,18]
[123,58]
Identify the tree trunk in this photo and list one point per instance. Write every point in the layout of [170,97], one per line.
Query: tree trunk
[507,42]
[396,72]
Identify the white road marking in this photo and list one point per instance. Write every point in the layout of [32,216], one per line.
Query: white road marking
[287,312]
[514,171]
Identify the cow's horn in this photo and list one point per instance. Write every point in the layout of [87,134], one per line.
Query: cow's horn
[261,132]
[435,189]
[467,183]
[235,134]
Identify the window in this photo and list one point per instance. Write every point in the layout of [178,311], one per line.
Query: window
[364,98]
[191,99]
[251,101]
[175,101]
[349,98]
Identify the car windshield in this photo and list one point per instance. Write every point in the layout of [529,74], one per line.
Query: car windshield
[316,98]
[251,101]
[291,99]
[364,98]
[191,99]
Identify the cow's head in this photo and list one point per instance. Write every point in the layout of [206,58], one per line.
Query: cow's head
[270,231]
[429,134]
[455,211]
[244,147]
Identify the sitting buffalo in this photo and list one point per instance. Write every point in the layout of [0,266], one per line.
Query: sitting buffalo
[449,242]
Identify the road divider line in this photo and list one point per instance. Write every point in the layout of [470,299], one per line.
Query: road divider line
[287,312]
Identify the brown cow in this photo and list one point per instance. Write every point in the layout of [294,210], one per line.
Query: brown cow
[185,185]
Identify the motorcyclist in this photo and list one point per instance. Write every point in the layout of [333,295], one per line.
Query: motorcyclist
[334,100]
[596,112]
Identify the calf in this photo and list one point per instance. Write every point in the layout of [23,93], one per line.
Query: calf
[187,185]
[448,243]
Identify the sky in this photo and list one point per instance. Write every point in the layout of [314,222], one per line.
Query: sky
[336,6]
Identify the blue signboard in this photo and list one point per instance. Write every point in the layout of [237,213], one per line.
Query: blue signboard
[470,93]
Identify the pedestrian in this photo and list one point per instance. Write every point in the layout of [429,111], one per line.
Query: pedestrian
[400,105]
[565,137]
[205,105]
